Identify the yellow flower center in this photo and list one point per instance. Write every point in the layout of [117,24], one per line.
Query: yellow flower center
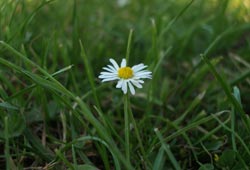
[125,72]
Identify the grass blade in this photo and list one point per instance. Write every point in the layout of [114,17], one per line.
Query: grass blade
[128,45]
[227,91]
[159,160]
[90,75]
[166,147]
[7,144]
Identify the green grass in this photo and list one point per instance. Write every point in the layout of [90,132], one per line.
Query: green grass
[56,114]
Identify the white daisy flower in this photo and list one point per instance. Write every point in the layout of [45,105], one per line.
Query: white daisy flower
[127,77]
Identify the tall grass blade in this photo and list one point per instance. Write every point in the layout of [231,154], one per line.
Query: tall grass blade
[227,91]
[89,74]
[166,147]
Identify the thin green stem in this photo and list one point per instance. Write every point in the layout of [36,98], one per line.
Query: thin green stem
[126,104]
[138,136]
[126,126]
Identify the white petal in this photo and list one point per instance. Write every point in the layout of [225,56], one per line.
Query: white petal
[107,73]
[114,63]
[107,76]
[136,84]
[143,74]
[123,63]
[119,84]
[109,79]
[132,89]
[140,81]
[124,87]
[108,69]
[139,67]
[144,77]
[112,68]
[102,76]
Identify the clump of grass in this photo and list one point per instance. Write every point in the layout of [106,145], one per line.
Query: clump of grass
[56,114]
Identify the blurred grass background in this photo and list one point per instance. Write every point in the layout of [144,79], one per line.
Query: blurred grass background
[44,125]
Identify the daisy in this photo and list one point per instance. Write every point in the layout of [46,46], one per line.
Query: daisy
[127,77]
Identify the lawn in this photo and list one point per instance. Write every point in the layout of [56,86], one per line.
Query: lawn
[181,101]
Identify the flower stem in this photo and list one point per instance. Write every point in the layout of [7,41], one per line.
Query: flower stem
[126,127]
[137,133]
